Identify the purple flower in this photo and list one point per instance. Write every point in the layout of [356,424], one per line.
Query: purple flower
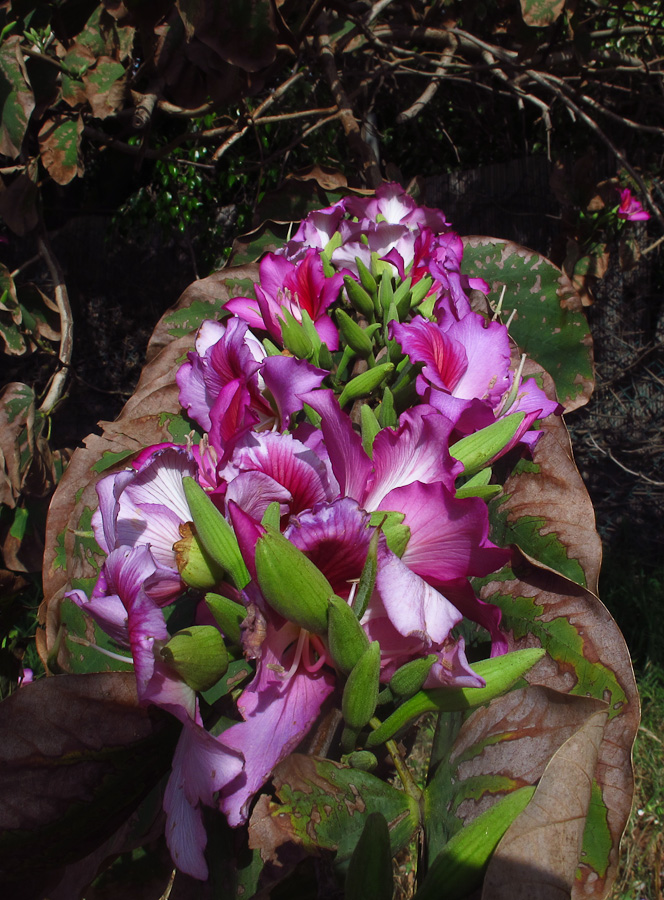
[631,209]
[294,287]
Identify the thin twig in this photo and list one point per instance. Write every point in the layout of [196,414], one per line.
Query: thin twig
[57,386]
[623,467]
[430,90]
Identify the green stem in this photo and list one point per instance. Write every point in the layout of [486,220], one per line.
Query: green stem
[409,785]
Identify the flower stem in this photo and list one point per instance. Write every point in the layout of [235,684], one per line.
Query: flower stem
[409,785]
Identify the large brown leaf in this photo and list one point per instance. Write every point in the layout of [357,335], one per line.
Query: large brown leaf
[78,755]
[586,656]
[544,507]
[536,859]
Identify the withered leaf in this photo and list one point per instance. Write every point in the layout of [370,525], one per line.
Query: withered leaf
[78,755]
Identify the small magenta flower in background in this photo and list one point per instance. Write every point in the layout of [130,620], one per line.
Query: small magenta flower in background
[631,209]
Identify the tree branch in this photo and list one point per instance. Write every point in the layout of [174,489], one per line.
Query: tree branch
[360,149]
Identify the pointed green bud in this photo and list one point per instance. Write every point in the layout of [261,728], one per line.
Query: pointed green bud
[402,290]
[195,565]
[478,486]
[385,296]
[367,581]
[402,302]
[310,331]
[360,695]
[228,615]
[294,336]
[458,870]
[334,242]
[356,337]
[198,655]
[477,450]
[216,535]
[291,583]
[347,639]
[367,280]
[420,290]
[271,348]
[408,679]
[370,428]
[358,297]
[387,414]
[365,383]
[325,360]
[272,515]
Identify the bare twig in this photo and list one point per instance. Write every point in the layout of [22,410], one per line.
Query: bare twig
[57,386]
[623,467]
[362,151]
[430,90]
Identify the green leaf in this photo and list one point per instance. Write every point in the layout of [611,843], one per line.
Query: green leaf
[545,326]
[84,642]
[460,866]
[16,98]
[324,806]
[565,640]
[534,536]
[110,458]
[540,13]
[183,321]
[369,875]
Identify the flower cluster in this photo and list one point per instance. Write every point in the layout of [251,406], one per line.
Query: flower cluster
[320,528]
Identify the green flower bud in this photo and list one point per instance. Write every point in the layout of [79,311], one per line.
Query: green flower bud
[408,680]
[363,385]
[358,297]
[366,278]
[295,337]
[291,583]
[367,582]
[361,759]
[195,565]
[360,695]
[370,428]
[478,449]
[198,655]
[356,337]
[228,615]
[346,638]
[216,535]
[420,290]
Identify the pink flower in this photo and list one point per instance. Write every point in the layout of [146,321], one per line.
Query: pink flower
[631,209]
[294,287]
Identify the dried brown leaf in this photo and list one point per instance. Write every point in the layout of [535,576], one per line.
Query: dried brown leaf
[537,857]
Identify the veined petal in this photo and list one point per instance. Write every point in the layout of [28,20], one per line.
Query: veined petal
[413,607]
[202,765]
[335,537]
[416,451]
[286,378]
[278,712]
[290,463]
[350,464]
[487,375]
[448,537]
[444,358]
